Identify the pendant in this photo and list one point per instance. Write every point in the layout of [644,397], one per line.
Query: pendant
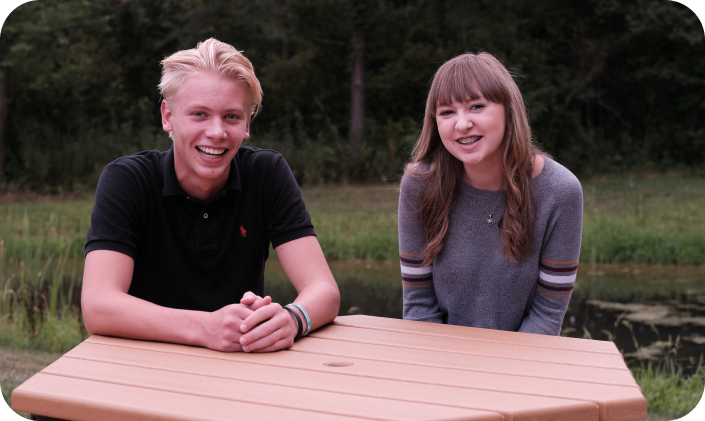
[490,221]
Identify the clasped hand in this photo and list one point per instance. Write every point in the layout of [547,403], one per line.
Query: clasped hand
[254,325]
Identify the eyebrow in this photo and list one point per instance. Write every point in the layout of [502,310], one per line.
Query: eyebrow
[204,107]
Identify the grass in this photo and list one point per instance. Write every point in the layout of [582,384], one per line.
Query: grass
[654,222]
[669,394]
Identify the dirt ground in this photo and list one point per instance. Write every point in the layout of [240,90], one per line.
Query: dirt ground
[18,365]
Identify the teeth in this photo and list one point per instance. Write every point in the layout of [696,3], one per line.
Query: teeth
[210,151]
[469,140]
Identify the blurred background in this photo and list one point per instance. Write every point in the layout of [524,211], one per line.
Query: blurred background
[611,85]
[615,90]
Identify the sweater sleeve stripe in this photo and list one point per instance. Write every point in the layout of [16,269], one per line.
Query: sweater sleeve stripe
[552,269]
[563,279]
[408,279]
[406,270]
[552,288]
[553,295]
[559,263]
[410,261]
[413,273]
[409,254]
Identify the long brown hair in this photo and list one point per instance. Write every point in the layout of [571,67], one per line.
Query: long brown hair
[468,77]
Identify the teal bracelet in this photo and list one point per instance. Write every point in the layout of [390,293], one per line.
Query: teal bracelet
[308,320]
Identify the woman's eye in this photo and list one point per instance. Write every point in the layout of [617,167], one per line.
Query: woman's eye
[198,114]
[446,112]
[477,106]
[230,116]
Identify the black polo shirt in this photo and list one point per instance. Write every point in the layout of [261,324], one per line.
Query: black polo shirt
[191,254]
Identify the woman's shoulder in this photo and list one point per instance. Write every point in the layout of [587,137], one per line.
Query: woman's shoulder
[413,177]
[557,179]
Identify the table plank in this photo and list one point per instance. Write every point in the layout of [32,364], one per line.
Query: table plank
[469,347]
[613,376]
[512,407]
[489,335]
[228,390]
[85,400]
[616,403]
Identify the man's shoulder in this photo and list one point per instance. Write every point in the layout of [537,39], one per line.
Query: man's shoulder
[250,155]
[142,170]
[260,163]
[145,160]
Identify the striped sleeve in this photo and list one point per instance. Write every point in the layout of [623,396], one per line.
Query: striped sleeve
[413,273]
[558,265]
[419,295]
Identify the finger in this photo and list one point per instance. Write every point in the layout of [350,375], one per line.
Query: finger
[258,316]
[249,297]
[278,327]
[260,303]
[269,339]
[279,345]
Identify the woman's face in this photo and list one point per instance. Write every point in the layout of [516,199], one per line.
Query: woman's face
[472,131]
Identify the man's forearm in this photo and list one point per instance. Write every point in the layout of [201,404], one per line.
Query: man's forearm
[120,314]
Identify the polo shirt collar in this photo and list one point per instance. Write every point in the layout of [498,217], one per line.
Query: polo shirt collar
[171,183]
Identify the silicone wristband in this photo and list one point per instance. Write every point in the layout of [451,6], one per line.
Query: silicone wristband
[298,322]
[308,319]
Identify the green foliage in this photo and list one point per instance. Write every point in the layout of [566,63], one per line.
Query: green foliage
[610,84]
[668,392]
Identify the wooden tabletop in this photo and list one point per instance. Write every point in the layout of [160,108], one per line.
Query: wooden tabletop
[359,367]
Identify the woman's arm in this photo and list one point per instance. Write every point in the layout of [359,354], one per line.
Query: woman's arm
[420,302]
[558,265]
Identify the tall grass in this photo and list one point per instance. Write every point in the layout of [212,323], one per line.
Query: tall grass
[668,392]
[40,280]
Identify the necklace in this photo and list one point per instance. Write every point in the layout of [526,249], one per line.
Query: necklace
[489,220]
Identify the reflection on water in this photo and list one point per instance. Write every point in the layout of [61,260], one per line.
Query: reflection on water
[647,310]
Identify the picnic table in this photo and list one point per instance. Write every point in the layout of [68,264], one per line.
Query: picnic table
[358,367]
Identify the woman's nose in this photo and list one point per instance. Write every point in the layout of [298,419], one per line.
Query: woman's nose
[463,122]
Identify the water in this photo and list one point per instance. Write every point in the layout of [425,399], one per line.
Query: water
[649,311]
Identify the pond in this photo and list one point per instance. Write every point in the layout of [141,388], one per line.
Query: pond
[649,311]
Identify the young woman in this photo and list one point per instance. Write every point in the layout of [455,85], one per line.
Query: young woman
[489,226]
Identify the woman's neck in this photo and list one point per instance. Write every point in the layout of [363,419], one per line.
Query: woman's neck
[484,178]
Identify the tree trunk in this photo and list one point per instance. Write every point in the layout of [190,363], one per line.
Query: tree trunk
[4,111]
[357,106]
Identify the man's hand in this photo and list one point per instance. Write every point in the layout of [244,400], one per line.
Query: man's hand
[254,301]
[222,328]
[269,328]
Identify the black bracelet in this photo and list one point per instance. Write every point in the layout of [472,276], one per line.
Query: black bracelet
[298,322]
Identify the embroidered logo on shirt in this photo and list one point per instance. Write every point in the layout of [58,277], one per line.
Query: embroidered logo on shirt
[243,232]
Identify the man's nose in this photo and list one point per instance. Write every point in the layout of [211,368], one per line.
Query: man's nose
[215,129]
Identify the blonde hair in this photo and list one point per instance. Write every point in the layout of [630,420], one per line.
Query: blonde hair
[463,78]
[210,55]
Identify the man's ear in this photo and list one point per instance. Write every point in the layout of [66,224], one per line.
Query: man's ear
[166,117]
[247,129]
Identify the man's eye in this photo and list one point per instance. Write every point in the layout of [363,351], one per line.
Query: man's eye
[198,114]
[231,116]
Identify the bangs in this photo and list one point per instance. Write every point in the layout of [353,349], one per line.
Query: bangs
[467,78]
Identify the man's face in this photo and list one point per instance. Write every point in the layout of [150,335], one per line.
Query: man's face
[208,118]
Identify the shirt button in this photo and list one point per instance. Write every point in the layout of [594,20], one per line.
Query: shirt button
[205,216]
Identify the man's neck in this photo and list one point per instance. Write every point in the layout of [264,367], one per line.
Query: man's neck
[199,187]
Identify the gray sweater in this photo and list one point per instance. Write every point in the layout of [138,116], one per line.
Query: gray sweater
[471,282]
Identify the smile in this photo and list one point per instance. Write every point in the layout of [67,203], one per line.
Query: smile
[211,152]
[469,140]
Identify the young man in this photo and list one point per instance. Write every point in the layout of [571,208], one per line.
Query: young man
[178,239]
